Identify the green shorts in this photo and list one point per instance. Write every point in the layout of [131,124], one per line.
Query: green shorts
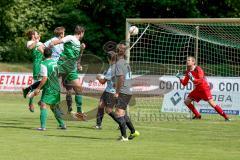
[73,75]
[50,97]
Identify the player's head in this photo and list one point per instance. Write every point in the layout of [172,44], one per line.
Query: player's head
[112,57]
[191,61]
[121,50]
[79,30]
[59,32]
[33,35]
[47,52]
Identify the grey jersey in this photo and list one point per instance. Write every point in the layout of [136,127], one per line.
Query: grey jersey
[124,69]
[110,78]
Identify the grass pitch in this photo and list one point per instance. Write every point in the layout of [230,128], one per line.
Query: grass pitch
[167,138]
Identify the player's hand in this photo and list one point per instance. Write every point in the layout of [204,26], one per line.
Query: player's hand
[191,76]
[179,75]
[51,45]
[100,77]
[116,95]
[83,46]
[36,91]
[79,67]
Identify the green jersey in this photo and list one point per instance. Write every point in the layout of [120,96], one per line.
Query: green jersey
[69,57]
[37,59]
[51,89]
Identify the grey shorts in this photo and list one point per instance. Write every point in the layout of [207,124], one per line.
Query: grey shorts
[108,99]
[123,101]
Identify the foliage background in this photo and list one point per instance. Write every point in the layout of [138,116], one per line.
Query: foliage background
[104,20]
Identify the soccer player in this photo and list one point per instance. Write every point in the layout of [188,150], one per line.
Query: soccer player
[33,44]
[56,50]
[107,100]
[68,63]
[123,93]
[201,90]
[51,90]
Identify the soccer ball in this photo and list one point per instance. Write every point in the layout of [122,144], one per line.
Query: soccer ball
[133,30]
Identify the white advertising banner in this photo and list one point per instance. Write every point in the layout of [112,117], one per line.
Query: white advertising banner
[225,91]
[10,81]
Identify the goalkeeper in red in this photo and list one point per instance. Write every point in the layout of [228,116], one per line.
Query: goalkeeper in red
[201,90]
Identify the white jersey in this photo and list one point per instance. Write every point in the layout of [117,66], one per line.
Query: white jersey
[56,50]
[29,43]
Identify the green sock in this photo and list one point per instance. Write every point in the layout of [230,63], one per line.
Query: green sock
[78,100]
[57,114]
[43,117]
[30,101]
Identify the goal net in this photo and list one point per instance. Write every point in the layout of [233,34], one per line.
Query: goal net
[164,46]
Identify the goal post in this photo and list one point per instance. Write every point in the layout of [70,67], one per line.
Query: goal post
[163,48]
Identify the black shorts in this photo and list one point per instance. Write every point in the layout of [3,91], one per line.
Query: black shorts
[108,99]
[123,100]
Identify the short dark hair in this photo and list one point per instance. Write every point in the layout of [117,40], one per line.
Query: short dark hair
[47,52]
[30,33]
[79,29]
[59,30]
[121,50]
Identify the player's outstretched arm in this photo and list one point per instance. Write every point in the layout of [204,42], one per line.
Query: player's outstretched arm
[183,79]
[56,42]
[179,75]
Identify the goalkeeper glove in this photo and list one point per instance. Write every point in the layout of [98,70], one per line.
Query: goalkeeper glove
[191,76]
[179,75]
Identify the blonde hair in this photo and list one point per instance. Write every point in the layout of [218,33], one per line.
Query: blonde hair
[192,58]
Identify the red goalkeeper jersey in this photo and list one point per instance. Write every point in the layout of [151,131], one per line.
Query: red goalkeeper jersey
[199,82]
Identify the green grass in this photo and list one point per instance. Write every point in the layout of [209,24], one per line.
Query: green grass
[15,67]
[209,138]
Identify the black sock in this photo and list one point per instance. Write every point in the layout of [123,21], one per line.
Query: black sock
[69,102]
[100,115]
[112,114]
[32,87]
[129,124]
[122,123]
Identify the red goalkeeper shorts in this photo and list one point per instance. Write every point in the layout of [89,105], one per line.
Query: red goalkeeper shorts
[202,94]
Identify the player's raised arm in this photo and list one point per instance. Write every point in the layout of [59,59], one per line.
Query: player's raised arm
[183,79]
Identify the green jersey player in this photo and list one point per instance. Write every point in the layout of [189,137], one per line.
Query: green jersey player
[68,60]
[33,44]
[50,90]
